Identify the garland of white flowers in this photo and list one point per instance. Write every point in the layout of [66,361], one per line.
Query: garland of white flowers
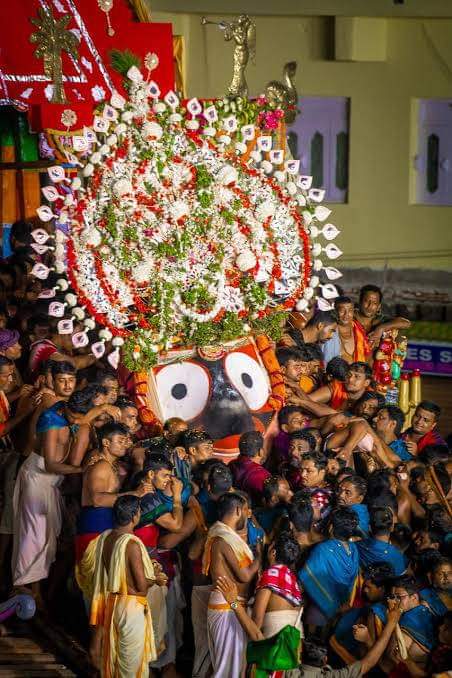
[192,228]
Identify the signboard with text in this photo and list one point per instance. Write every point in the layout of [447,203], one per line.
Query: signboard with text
[430,357]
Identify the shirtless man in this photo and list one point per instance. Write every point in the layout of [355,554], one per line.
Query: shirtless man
[132,623]
[58,385]
[371,318]
[101,485]
[226,554]
[37,496]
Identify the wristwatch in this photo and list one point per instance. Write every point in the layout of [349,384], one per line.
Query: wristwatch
[234,605]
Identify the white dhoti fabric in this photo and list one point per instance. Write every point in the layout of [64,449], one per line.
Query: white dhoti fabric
[227,639]
[129,637]
[157,603]
[199,600]
[37,521]
[175,603]
[278,619]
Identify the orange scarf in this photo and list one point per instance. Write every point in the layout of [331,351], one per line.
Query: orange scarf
[339,395]
[362,347]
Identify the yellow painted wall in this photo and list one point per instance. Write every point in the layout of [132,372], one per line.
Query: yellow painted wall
[379,225]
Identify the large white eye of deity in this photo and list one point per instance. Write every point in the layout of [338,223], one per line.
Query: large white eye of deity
[183,390]
[248,377]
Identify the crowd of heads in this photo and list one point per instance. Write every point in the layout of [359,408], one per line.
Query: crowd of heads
[294,489]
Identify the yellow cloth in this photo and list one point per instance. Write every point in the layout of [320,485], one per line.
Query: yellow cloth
[240,548]
[128,637]
[84,570]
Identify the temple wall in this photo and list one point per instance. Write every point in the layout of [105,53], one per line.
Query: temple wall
[382,225]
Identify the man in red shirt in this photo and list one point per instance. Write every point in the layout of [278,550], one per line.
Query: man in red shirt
[249,474]
[423,429]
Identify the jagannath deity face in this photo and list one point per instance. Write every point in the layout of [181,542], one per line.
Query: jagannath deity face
[223,390]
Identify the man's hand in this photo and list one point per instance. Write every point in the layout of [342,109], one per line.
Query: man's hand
[361,634]
[375,336]
[112,411]
[228,588]
[394,610]
[339,420]
[176,487]
[411,447]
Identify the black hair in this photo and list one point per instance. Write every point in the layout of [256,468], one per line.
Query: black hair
[123,402]
[322,317]
[359,483]
[430,406]
[360,366]
[7,269]
[304,435]
[425,561]
[228,503]
[370,288]
[380,573]
[286,353]
[37,319]
[301,515]
[372,395]
[401,535]
[342,300]
[125,509]
[156,462]
[110,429]
[395,414]
[167,423]
[250,443]
[270,487]
[314,654]
[406,582]
[4,361]
[21,230]
[432,454]
[381,520]
[439,520]
[157,445]
[385,499]
[193,438]
[344,523]
[105,375]
[219,479]
[337,368]
[318,459]
[314,352]
[287,551]
[379,481]
[81,402]
[442,560]
[285,412]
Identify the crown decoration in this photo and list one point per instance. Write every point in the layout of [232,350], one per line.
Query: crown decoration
[190,227]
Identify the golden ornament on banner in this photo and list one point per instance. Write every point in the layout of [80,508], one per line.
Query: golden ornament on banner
[52,39]
[106,6]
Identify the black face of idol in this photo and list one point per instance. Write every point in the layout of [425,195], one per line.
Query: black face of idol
[225,394]
[226,412]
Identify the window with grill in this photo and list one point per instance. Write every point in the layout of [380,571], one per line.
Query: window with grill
[319,138]
[433,161]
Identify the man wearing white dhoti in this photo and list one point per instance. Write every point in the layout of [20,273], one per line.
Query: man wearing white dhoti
[227,554]
[124,642]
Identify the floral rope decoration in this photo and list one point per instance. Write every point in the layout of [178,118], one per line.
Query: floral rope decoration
[182,235]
